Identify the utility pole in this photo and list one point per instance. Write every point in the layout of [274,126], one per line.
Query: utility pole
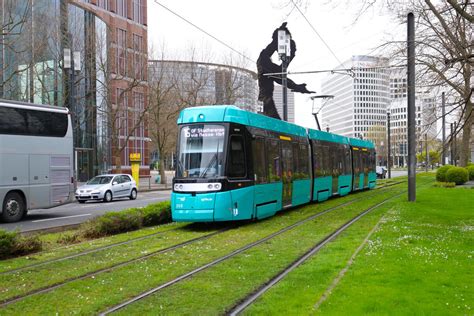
[426,152]
[411,107]
[455,149]
[451,143]
[443,123]
[284,52]
[389,156]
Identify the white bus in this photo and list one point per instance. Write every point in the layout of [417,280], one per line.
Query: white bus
[36,158]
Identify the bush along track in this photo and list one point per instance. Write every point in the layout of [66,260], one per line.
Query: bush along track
[158,269]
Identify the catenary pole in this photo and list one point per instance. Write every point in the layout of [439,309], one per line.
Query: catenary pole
[411,107]
[389,156]
[426,152]
[443,124]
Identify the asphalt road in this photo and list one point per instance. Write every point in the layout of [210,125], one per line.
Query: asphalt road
[75,213]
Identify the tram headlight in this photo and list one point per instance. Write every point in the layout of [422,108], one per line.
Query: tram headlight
[209,186]
[178,187]
[217,186]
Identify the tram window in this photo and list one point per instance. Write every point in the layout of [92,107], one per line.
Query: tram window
[326,161]
[347,157]
[317,154]
[259,160]
[303,161]
[296,161]
[237,157]
[273,162]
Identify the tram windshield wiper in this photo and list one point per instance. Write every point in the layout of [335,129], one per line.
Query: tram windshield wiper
[214,158]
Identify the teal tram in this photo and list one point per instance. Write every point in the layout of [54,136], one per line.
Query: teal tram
[237,165]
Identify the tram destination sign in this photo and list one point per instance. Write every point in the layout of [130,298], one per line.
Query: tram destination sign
[206,131]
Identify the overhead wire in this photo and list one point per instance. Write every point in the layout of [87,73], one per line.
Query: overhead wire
[204,31]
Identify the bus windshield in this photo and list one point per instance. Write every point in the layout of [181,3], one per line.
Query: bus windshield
[201,151]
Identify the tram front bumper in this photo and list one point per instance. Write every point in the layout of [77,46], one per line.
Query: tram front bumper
[202,207]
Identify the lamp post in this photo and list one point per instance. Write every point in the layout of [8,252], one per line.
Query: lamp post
[284,52]
[388,146]
[72,63]
[426,152]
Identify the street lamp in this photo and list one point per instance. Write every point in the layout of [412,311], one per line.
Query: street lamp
[284,51]
[388,147]
[323,96]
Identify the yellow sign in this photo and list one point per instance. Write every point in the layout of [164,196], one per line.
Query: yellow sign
[135,160]
[355,148]
[135,157]
[364,149]
[285,138]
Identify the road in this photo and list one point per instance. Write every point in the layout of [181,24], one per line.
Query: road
[75,213]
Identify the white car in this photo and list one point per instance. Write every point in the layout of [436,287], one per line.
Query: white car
[107,187]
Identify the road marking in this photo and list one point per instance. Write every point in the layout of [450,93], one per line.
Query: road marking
[53,219]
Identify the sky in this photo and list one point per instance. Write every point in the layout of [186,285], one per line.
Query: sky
[247,26]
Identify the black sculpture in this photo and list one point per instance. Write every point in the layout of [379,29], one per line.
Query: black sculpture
[265,66]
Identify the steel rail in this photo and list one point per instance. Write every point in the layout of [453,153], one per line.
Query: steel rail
[49,288]
[98,249]
[223,258]
[247,301]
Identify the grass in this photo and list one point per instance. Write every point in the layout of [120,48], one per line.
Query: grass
[419,261]
[87,296]
[227,282]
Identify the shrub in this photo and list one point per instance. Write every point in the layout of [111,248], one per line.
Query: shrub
[12,244]
[470,171]
[445,184]
[120,222]
[441,173]
[7,243]
[112,223]
[458,175]
[69,239]
[156,214]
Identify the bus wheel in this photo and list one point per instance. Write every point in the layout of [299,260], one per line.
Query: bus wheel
[13,208]
[108,196]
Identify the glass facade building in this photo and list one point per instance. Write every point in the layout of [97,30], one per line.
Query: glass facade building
[34,68]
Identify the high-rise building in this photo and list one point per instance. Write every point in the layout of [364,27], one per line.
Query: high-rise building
[278,99]
[361,102]
[106,92]
[359,106]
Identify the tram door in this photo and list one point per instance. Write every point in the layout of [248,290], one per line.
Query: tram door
[287,172]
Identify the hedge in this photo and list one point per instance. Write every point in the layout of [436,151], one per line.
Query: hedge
[113,223]
[13,244]
[458,175]
[441,173]
[470,171]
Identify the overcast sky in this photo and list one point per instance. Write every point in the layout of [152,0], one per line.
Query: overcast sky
[247,26]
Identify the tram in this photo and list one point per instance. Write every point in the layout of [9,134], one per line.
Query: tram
[238,165]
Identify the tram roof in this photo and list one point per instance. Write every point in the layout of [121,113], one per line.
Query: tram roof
[329,137]
[361,143]
[233,114]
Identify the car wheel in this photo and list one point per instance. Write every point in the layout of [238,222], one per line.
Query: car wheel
[133,194]
[108,196]
[81,202]
[13,208]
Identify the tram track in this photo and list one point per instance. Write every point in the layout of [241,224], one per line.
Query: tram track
[249,299]
[226,257]
[113,245]
[49,288]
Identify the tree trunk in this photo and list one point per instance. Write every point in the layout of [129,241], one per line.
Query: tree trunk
[466,135]
[162,171]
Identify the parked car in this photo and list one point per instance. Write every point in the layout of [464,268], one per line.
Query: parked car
[381,172]
[107,187]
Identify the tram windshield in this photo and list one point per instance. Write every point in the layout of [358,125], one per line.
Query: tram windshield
[201,151]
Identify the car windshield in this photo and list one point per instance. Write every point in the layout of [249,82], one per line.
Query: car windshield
[100,180]
[201,151]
